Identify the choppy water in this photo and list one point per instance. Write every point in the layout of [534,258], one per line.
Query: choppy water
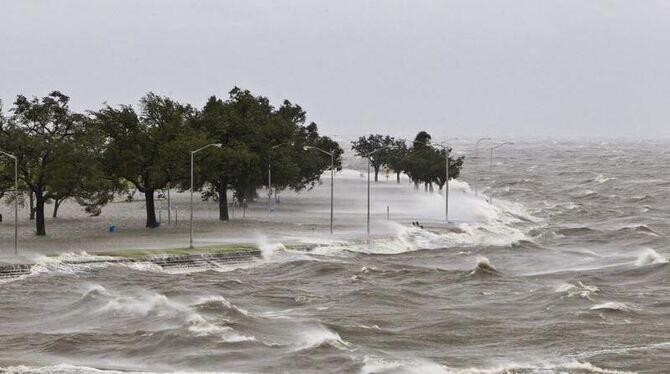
[567,273]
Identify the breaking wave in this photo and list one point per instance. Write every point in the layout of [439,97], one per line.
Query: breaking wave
[318,336]
[650,257]
[615,306]
[484,267]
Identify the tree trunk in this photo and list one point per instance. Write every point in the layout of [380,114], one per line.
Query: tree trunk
[253,193]
[151,210]
[249,192]
[397,175]
[377,174]
[39,214]
[223,200]
[56,206]
[32,205]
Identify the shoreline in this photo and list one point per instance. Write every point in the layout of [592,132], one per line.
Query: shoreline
[165,258]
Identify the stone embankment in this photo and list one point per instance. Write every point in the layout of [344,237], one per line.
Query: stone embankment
[199,260]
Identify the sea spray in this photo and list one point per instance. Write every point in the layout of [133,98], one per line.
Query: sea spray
[650,257]
[314,336]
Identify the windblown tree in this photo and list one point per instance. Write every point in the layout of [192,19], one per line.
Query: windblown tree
[254,137]
[5,174]
[426,164]
[148,150]
[54,150]
[380,144]
[397,158]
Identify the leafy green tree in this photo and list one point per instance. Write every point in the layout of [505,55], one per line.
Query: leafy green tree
[148,150]
[397,158]
[5,170]
[254,137]
[364,146]
[53,148]
[426,163]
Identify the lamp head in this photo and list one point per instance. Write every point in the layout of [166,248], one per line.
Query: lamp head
[218,145]
[306,148]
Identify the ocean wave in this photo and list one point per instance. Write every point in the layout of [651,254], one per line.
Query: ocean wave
[374,365]
[68,263]
[316,336]
[215,302]
[638,228]
[580,289]
[585,194]
[575,231]
[142,304]
[484,267]
[199,326]
[411,366]
[650,257]
[615,306]
[410,239]
[72,369]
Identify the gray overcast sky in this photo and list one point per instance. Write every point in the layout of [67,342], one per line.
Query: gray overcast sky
[467,68]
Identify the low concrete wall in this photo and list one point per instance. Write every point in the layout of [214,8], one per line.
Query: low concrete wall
[200,260]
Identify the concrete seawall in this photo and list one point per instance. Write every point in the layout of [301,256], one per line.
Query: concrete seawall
[199,260]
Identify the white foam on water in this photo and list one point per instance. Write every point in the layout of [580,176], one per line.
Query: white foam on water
[199,326]
[580,289]
[625,350]
[68,263]
[314,336]
[223,301]
[268,249]
[483,266]
[650,257]
[493,231]
[72,369]
[616,306]
[372,365]
[600,179]
[142,303]
[560,366]
[95,289]
[419,366]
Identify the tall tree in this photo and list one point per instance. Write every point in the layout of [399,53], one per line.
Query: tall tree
[397,158]
[256,136]
[426,163]
[5,169]
[52,144]
[380,144]
[150,149]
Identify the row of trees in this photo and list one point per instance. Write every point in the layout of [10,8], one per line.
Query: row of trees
[94,156]
[421,161]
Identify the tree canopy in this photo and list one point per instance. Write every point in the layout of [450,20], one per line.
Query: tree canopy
[149,149]
[258,139]
[90,158]
[376,148]
[55,148]
[422,161]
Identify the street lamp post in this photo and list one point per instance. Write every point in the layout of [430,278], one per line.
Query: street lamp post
[270,174]
[368,157]
[16,200]
[491,166]
[476,163]
[447,151]
[218,145]
[332,174]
